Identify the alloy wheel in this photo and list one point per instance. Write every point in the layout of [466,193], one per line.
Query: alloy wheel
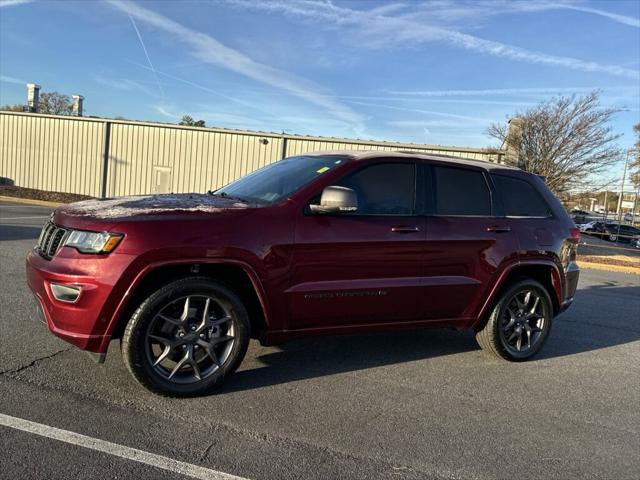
[190,338]
[523,322]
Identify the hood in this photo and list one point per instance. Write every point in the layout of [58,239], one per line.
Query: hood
[148,207]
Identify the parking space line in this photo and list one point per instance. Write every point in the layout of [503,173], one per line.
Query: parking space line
[128,453]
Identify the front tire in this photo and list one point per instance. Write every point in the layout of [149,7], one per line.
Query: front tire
[186,338]
[519,323]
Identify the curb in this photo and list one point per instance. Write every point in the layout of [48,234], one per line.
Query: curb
[29,201]
[610,268]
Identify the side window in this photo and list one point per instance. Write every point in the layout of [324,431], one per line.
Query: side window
[461,192]
[520,198]
[383,189]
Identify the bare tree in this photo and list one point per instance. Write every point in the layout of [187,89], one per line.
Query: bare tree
[567,140]
[12,108]
[54,103]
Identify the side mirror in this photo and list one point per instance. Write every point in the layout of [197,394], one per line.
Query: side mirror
[336,200]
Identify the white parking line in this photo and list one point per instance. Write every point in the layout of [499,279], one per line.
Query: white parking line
[115,449]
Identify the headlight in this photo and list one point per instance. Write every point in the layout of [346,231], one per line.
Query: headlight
[93,242]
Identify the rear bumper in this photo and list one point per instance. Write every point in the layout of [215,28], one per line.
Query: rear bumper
[85,322]
[566,304]
[571,285]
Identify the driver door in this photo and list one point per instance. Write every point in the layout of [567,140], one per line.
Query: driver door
[363,267]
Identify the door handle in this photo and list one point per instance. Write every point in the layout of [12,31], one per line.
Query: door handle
[405,229]
[498,229]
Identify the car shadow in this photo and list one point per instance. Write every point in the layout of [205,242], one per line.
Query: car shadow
[579,330]
[329,355]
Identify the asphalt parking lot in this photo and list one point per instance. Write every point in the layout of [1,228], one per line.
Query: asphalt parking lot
[425,404]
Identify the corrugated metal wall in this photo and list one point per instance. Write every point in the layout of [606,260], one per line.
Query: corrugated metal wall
[66,154]
[51,153]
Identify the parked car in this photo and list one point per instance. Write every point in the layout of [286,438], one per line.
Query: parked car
[623,233]
[577,211]
[614,232]
[610,231]
[596,228]
[311,245]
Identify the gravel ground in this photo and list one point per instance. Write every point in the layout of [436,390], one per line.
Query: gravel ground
[32,194]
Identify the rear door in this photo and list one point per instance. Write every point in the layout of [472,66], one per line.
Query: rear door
[365,266]
[468,242]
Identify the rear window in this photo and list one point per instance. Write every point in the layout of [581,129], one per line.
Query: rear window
[520,198]
[461,192]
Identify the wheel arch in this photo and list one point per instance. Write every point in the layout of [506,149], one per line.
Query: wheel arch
[238,275]
[546,272]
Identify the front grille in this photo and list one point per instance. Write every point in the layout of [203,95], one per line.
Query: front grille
[51,239]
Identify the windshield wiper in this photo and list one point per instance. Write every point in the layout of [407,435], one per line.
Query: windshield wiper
[226,195]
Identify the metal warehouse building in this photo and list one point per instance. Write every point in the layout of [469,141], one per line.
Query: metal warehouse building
[104,157]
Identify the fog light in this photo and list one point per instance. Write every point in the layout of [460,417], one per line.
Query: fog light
[65,293]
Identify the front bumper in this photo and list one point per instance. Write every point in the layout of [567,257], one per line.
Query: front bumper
[85,322]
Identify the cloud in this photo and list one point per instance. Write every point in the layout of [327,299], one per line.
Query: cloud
[253,105]
[7,79]
[381,30]
[119,83]
[424,124]
[492,92]
[164,111]
[209,50]
[146,54]
[624,19]
[465,118]
[448,11]
[14,3]
[619,95]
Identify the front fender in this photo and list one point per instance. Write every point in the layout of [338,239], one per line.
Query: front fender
[137,273]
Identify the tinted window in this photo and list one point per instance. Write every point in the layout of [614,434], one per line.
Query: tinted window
[383,189]
[461,192]
[623,228]
[520,198]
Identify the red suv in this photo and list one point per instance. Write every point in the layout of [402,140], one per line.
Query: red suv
[323,243]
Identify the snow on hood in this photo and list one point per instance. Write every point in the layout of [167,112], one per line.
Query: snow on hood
[120,207]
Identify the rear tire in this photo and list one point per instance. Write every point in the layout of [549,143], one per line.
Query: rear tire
[187,337]
[519,323]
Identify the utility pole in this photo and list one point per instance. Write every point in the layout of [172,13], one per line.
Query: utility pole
[619,212]
[635,205]
[624,175]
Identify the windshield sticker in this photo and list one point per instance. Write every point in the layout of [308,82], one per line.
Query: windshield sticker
[322,170]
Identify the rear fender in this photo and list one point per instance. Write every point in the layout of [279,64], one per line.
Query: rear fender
[555,279]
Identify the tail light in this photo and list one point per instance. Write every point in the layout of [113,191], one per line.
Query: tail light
[575,234]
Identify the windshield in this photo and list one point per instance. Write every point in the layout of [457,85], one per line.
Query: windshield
[279,180]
